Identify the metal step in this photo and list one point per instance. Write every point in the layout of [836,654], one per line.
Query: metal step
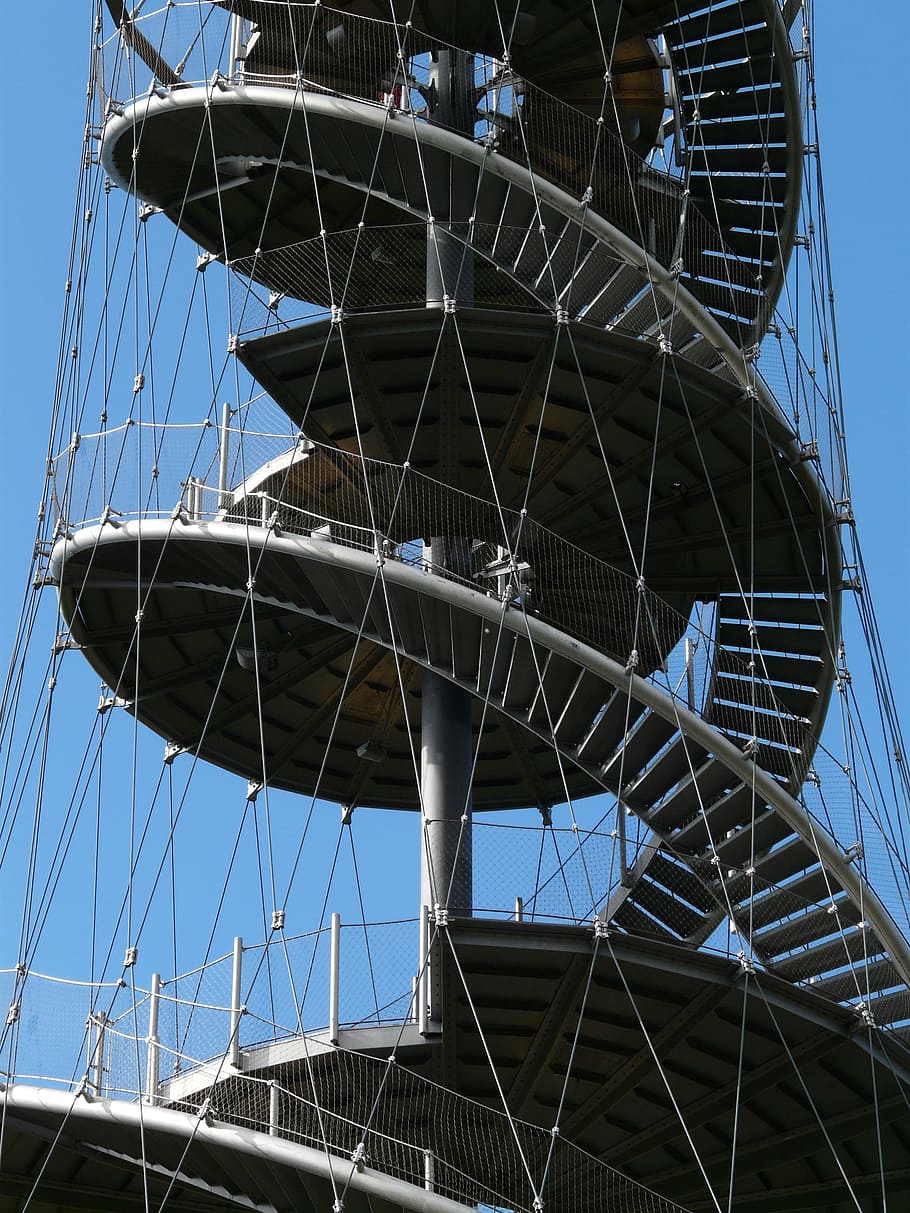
[812,887]
[754,131]
[645,739]
[607,731]
[695,792]
[855,946]
[637,922]
[752,840]
[678,762]
[586,700]
[859,981]
[819,923]
[666,909]
[737,105]
[682,882]
[557,684]
[719,19]
[728,79]
[711,826]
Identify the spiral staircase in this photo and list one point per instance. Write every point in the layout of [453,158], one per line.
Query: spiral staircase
[529,409]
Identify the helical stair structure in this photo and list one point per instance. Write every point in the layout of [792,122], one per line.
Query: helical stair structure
[544,534]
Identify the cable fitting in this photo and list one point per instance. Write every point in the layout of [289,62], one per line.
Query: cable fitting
[440,916]
[277,920]
[601,930]
[865,1015]
[130,956]
[359,1156]
[745,964]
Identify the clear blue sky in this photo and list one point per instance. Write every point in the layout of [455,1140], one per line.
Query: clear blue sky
[862,105]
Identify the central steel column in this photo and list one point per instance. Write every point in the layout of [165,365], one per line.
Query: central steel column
[446,740]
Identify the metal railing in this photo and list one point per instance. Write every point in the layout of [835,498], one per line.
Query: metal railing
[311,47]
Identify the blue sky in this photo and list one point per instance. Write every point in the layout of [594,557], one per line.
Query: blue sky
[861,106]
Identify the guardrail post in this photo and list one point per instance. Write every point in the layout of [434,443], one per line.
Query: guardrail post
[273,1109]
[236,47]
[334,967]
[153,1063]
[423,973]
[519,909]
[429,1171]
[236,1006]
[690,675]
[224,453]
[96,1068]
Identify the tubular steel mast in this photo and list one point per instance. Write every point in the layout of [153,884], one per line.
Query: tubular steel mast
[541,533]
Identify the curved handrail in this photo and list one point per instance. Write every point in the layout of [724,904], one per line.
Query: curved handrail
[549,638]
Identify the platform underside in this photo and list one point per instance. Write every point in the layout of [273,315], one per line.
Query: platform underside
[599,437]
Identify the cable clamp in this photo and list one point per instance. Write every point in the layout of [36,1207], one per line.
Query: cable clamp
[337,314]
[855,851]
[538,1205]
[138,383]
[601,930]
[252,791]
[277,920]
[130,956]
[448,304]
[745,964]
[587,196]
[440,916]
[562,315]
[865,1014]
[12,1015]
[632,664]
[171,751]
[206,1111]
[664,344]
[359,1157]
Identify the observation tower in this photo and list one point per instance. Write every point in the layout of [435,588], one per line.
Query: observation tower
[539,532]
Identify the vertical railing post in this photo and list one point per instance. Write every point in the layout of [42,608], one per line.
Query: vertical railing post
[236,46]
[224,453]
[236,1006]
[153,1062]
[334,976]
[273,1109]
[519,909]
[690,675]
[96,1068]
[423,974]
[625,878]
[429,1171]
